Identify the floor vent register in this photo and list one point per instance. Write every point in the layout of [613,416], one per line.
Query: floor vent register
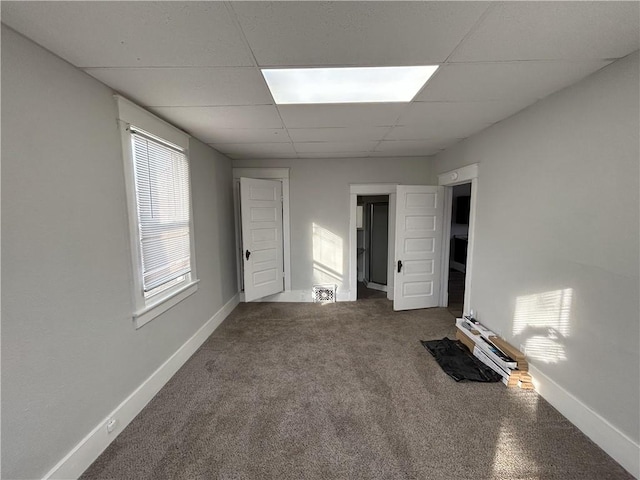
[324,293]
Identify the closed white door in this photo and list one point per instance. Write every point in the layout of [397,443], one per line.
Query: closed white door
[261,211]
[419,213]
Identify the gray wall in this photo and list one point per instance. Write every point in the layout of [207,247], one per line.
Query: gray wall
[319,193]
[70,353]
[556,253]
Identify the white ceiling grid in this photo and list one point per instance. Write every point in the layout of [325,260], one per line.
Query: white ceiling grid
[197,64]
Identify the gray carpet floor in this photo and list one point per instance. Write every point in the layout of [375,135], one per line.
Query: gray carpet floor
[341,391]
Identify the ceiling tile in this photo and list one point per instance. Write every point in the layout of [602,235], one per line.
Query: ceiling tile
[403,148]
[553,30]
[246,135]
[333,155]
[261,156]
[202,122]
[255,149]
[201,77]
[520,81]
[354,115]
[337,134]
[421,132]
[335,146]
[449,120]
[187,86]
[391,155]
[132,34]
[410,147]
[355,33]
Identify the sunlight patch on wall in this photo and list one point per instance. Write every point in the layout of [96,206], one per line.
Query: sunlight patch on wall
[327,256]
[543,319]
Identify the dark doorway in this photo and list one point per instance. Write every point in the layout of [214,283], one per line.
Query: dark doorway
[373,246]
[460,208]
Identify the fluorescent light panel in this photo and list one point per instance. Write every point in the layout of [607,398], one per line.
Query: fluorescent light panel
[346,85]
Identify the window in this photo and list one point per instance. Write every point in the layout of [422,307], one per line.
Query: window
[162,200]
[158,191]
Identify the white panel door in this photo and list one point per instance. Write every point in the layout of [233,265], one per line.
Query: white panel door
[419,213]
[261,211]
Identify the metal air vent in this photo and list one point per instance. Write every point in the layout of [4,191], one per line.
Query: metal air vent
[324,293]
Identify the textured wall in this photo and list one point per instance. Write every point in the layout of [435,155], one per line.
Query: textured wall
[319,195]
[556,247]
[70,353]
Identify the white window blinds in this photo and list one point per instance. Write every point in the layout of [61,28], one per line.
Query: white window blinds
[162,197]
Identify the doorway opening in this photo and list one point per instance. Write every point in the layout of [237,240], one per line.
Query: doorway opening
[458,247]
[356,217]
[372,246]
[281,175]
[467,175]
[415,245]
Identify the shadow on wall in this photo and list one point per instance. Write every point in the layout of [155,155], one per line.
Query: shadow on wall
[542,323]
[327,256]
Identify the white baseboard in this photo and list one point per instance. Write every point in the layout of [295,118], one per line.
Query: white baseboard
[623,449]
[90,447]
[289,296]
[343,296]
[298,296]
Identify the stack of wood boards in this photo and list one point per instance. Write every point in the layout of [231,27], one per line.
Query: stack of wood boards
[495,352]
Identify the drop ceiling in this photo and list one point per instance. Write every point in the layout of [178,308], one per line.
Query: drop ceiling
[197,64]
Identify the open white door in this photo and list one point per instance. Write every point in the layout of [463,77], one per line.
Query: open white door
[419,212]
[261,211]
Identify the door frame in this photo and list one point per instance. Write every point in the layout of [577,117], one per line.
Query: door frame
[265,173]
[466,174]
[370,189]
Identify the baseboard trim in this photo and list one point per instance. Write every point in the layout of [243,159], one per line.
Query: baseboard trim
[618,445]
[90,447]
[297,296]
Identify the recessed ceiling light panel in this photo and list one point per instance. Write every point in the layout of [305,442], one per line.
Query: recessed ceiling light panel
[346,85]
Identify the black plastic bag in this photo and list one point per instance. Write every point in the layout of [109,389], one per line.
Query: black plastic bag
[458,362]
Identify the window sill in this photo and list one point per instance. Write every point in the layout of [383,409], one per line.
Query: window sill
[160,306]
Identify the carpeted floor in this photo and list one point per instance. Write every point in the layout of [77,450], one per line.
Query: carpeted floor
[342,391]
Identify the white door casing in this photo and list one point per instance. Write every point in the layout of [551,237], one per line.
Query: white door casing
[418,246]
[267,173]
[261,212]
[370,189]
[466,174]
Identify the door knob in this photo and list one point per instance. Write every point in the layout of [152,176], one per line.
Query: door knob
[247,254]
[399,265]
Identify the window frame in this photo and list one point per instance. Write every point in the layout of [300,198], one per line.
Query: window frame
[146,308]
